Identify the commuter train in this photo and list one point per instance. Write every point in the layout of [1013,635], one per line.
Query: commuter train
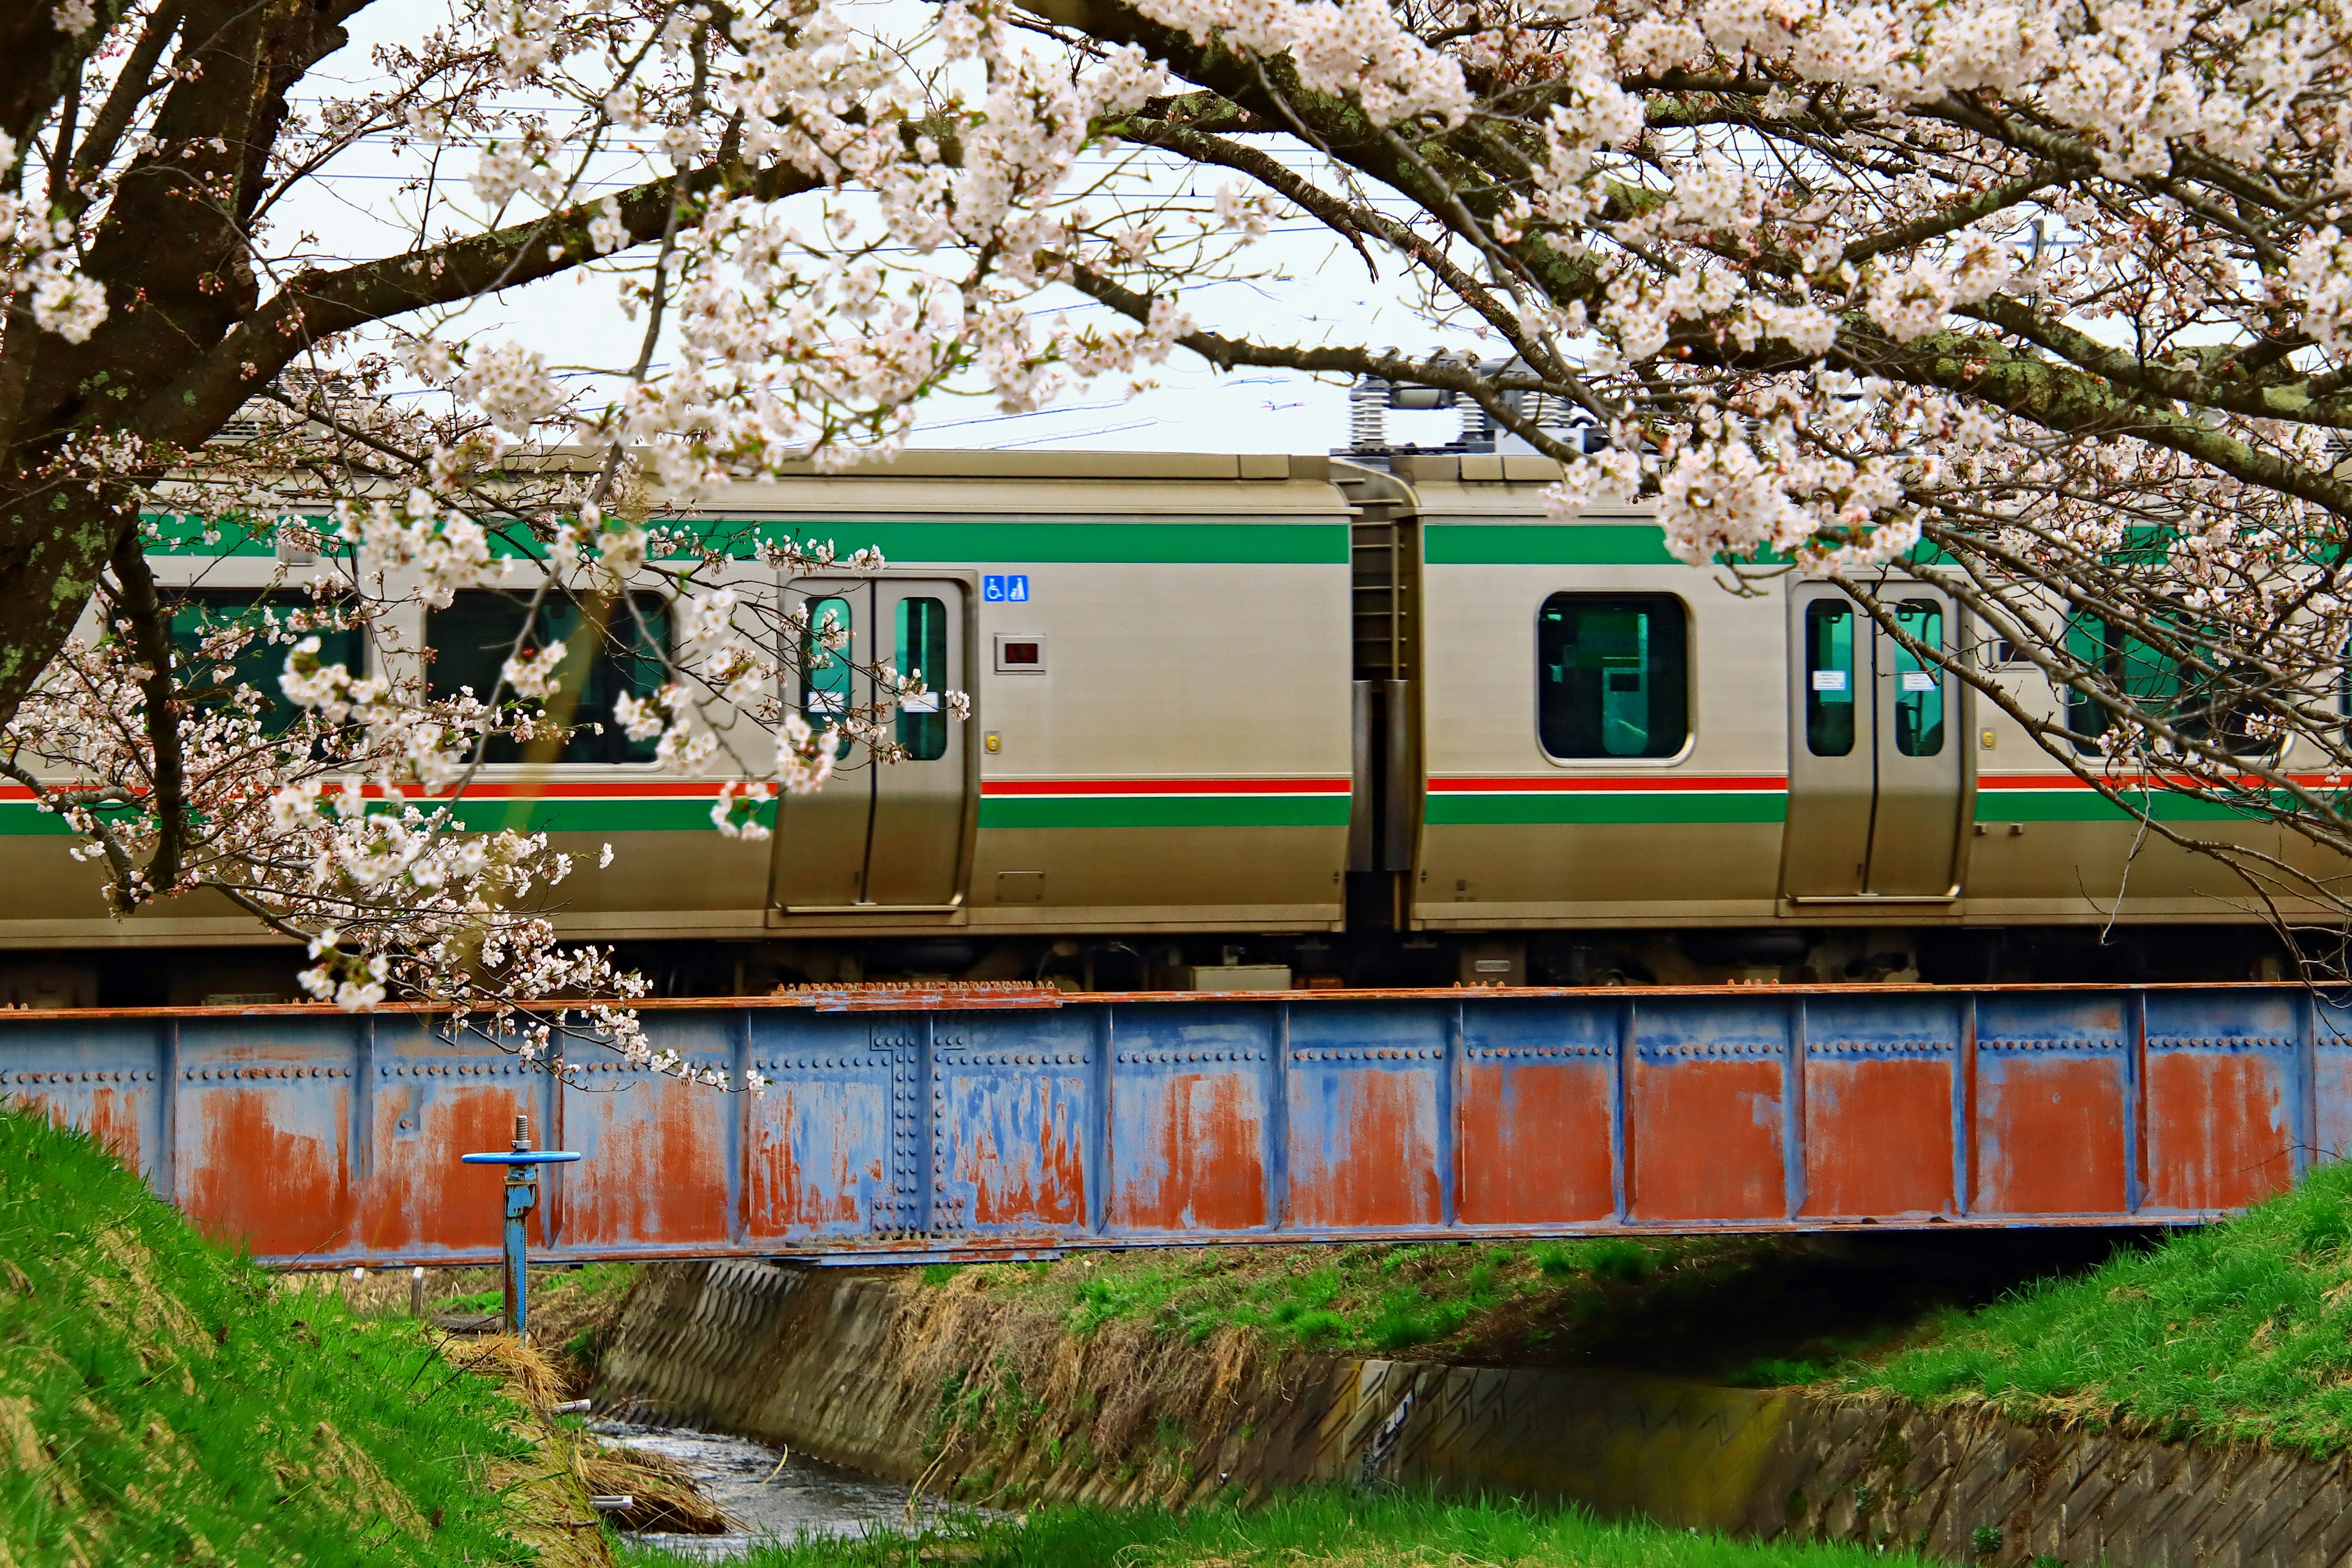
[1252,721]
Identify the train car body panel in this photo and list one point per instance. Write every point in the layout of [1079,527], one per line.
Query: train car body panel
[1764,812]
[1515,836]
[1159,689]
[1205,688]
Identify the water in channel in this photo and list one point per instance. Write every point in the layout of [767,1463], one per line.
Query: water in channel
[772,1500]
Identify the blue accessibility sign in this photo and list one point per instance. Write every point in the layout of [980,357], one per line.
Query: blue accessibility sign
[1006,590]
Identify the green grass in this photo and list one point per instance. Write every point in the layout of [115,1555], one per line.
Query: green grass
[2241,1330]
[589,1282]
[1367,1298]
[1301,1530]
[162,1401]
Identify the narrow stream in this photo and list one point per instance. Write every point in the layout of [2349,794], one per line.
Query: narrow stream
[772,1500]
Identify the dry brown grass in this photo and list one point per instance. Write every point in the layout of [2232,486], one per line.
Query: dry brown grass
[553,1485]
[665,1496]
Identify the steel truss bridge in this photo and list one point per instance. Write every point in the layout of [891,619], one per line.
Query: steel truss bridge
[905,1125]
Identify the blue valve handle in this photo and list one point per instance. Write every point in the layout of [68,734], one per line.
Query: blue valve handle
[522,1196]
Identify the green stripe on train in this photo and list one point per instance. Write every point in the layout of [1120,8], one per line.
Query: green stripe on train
[2086,805]
[977,543]
[1581,809]
[22,819]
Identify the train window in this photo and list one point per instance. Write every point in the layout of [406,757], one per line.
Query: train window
[196,613]
[607,653]
[2199,704]
[1613,675]
[1828,677]
[826,671]
[923,650]
[1918,683]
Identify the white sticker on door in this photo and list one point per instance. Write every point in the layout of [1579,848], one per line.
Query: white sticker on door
[1918,680]
[1828,681]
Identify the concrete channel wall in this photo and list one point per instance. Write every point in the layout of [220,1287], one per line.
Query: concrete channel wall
[845,1365]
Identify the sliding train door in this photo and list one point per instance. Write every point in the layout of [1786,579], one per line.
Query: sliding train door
[1877,773]
[881,837]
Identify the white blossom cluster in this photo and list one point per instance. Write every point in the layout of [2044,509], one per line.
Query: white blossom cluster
[36,256]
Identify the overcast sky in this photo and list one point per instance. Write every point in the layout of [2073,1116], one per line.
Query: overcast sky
[1310,295]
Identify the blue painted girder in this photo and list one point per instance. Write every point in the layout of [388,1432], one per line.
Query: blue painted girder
[911,1126]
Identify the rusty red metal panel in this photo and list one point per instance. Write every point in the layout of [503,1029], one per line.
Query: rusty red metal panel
[1703,1126]
[421,1199]
[267,1171]
[265,1133]
[1188,1120]
[1193,1151]
[819,1159]
[1013,1095]
[1363,1117]
[1878,1137]
[2222,1072]
[654,1160]
[2216,1129]
[267,1167]
[431,1100]
[2053,1120]
[1878,1121]
[1533,1145]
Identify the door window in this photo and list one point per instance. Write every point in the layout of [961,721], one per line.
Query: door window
[1828,677]
[826,667]
[1613,675]
[1918,683]
[923,650]
[609,646]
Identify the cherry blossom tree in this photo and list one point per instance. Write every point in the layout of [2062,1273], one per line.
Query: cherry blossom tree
[2049,304]
[2046,304]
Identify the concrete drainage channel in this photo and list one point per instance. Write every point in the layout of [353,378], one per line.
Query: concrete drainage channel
[844,1366]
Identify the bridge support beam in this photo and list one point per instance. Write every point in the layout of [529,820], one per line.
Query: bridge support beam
[905,1125]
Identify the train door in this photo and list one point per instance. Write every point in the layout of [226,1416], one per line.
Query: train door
[881,836]
[1878,782]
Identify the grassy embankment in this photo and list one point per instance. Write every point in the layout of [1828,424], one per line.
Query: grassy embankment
[1747,1310]
[1308,1529]
[2240,1330]
[162,1401]
[2235,1332]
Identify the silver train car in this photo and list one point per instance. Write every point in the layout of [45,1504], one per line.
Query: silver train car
[1245,721]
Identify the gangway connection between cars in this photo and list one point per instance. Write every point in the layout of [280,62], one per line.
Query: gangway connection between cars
[904,1125]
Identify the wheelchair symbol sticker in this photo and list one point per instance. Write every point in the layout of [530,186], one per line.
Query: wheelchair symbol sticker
[1006,590]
